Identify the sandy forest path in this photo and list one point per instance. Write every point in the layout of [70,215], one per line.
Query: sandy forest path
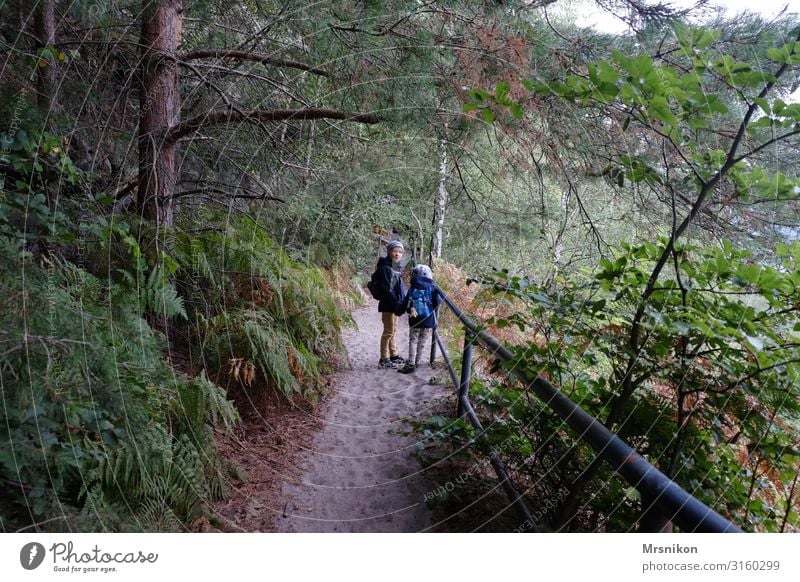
[356,475]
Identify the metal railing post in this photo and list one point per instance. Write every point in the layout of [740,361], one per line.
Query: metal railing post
[467,413]
[466,375]
[433,341]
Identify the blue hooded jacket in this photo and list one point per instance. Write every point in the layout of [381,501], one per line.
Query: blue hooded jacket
[420,282]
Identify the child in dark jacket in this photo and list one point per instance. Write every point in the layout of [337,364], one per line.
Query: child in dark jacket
[423,295]
[390,304]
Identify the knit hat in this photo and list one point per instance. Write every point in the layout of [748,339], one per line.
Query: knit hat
[393,245]
[423,271]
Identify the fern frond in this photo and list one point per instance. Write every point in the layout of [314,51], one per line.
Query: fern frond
[160,296]
[202,402]
[156,516]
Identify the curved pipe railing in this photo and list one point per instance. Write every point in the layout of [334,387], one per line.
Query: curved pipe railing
[663,501]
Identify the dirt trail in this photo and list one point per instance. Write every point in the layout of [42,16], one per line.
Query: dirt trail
[356,476]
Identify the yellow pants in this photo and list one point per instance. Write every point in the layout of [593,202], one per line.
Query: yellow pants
[388,344]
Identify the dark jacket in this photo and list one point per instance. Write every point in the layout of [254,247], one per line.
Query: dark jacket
[391,286]
[436,299]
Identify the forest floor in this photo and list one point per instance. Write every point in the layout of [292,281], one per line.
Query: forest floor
[344,466]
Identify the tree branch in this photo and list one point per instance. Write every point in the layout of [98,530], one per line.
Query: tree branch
[386,29]
[767,143]
[248,56]
[227,195]
[221,117]
[706,187]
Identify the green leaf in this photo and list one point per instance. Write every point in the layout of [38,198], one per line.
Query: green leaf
[752,78]
[633,493]
[761,123]
[763,104]
[683,34]
[781,54]
[659,109]
[704,37]
[501,93]
[698,123]
[478,95]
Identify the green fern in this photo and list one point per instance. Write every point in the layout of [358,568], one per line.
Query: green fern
[156,515]
[187,485]
[160,296]
[127,467]
[202,402]
[107,437]
[162,480]
[191,253]
[288,366]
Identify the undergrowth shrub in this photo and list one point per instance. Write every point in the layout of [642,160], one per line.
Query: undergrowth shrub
[266,324]
[714,402]
[99,433]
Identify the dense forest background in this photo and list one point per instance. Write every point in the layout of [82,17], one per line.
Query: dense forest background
[193,193]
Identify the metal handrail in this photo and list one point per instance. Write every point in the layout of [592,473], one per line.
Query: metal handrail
[663,495]
[467,412]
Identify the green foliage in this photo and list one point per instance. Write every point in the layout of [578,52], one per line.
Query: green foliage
[721,356]
[715,402]
[159,295]
[279,315]
[27,172]
[689,352]
[688,103]
[285,364]
[98,433]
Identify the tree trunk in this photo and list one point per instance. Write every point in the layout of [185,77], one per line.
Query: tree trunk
[45,38]
[159,109]
[681,435]
[558,244]
[441,200]
[789,505]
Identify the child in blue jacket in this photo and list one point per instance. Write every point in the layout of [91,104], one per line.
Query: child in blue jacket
[420,302]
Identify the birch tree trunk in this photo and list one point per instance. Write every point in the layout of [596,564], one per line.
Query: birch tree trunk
[558,244]
[441,200]
[159,109]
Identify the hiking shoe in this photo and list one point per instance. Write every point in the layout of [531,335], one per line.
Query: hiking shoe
[407,369]
[386,363]
[397,360]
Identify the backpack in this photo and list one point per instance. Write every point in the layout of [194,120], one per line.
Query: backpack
[420,300]
[374,286]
